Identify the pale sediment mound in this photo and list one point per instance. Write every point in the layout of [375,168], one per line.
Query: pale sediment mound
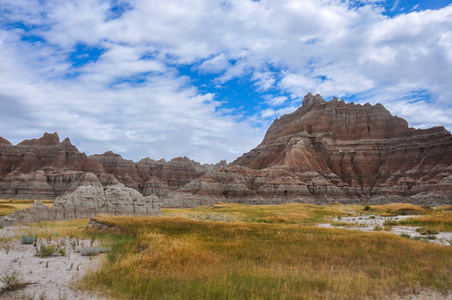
[87,202]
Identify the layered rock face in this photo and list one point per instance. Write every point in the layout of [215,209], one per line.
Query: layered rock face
[87,202]
[332,151]
[45,168]
[154,177]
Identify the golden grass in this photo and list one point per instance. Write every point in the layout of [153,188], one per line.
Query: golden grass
[285,213]
[397,209]
[176,257]
[58,229]
[8,206]
[232,251]
[440,220]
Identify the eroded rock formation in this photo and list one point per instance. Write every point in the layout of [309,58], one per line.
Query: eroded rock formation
[149,176]
[87,202]
[323,152]
[46,168]
[334,151]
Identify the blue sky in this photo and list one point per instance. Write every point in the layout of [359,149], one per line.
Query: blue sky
[206,78]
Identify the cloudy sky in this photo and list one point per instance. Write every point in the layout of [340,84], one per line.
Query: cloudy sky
[205,78]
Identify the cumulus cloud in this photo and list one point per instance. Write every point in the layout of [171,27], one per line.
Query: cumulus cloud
[126,90]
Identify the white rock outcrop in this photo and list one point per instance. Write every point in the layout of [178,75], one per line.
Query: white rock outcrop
[88,202]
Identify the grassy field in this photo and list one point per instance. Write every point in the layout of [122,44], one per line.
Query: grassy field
[8,206]
[232,251]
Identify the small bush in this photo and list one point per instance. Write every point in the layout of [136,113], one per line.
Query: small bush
[425,231]
[405,235]
[378,228]
[431,237]
[11,281]
[27,239]
[47,251]
[62,251]
[390,223]
[92,251]
[367,207]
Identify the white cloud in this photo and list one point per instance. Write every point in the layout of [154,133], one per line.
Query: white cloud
[133,98]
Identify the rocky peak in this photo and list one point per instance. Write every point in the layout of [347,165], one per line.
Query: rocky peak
[310,100]
[333,151]
[4,142]
[46,140]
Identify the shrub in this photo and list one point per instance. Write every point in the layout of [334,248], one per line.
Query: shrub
[390,223]
[425,231]
[62,251]
[405,235]
[11,281]
[27,239]
[378,228]
[367,207]
[47,251]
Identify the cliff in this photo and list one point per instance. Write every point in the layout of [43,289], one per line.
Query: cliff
[334,151]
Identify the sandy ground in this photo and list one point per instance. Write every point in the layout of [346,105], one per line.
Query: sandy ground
[370,222]
[45,278]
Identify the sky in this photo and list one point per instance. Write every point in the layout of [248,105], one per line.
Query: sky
[206,78]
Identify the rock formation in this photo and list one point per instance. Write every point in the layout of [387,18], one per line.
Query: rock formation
[46,168]
[323,152]
[153,177]
[87,202]
[333,151]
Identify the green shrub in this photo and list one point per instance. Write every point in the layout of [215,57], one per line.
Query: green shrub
[390,223]
[11,281]
[367,207]
[425,231]
[27,239]
[405,235]
[378,228]
[47,251]
[62,251]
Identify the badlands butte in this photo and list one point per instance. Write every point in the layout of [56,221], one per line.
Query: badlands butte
[322,153]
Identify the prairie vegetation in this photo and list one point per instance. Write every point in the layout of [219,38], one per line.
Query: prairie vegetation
[397,209]
[8,206]
[231,251]
[438,221]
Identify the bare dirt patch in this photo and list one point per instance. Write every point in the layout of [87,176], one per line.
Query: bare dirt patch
[50,277]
